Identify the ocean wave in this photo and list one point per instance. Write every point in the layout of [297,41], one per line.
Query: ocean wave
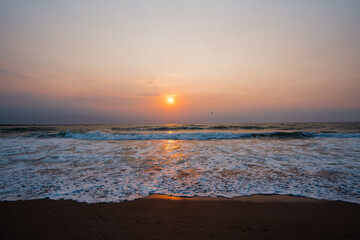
[189,127]
[25,129]
[98,135]
[248,127]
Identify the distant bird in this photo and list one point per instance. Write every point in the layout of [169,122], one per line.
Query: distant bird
[212,113]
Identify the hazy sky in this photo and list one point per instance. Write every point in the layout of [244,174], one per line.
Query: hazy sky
[114,61]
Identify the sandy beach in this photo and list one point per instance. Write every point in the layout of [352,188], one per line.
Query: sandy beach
[163,217]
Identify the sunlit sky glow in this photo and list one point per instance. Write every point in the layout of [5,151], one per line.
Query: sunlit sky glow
[90,61]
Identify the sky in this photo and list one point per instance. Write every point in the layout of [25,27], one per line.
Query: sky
[224,61]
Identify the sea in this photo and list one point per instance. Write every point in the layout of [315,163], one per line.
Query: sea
[114,163]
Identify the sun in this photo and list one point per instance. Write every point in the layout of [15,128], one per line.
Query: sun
[170,100]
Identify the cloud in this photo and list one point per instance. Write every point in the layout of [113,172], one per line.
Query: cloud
[25,108]
[156,86]
[149,94]
[160,81]
[11,73]
[152,82]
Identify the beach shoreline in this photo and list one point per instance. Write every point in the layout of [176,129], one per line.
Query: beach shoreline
[255,198]
[166,217]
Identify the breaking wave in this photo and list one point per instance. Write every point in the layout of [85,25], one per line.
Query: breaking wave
[98,135]
[191,127]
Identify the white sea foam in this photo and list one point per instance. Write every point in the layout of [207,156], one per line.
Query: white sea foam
[81,169]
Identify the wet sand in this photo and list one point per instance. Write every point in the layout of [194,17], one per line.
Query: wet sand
[163,217]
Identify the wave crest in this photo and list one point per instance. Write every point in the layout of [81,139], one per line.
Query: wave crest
[98,135]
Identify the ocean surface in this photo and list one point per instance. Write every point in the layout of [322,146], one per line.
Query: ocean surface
[112,163]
